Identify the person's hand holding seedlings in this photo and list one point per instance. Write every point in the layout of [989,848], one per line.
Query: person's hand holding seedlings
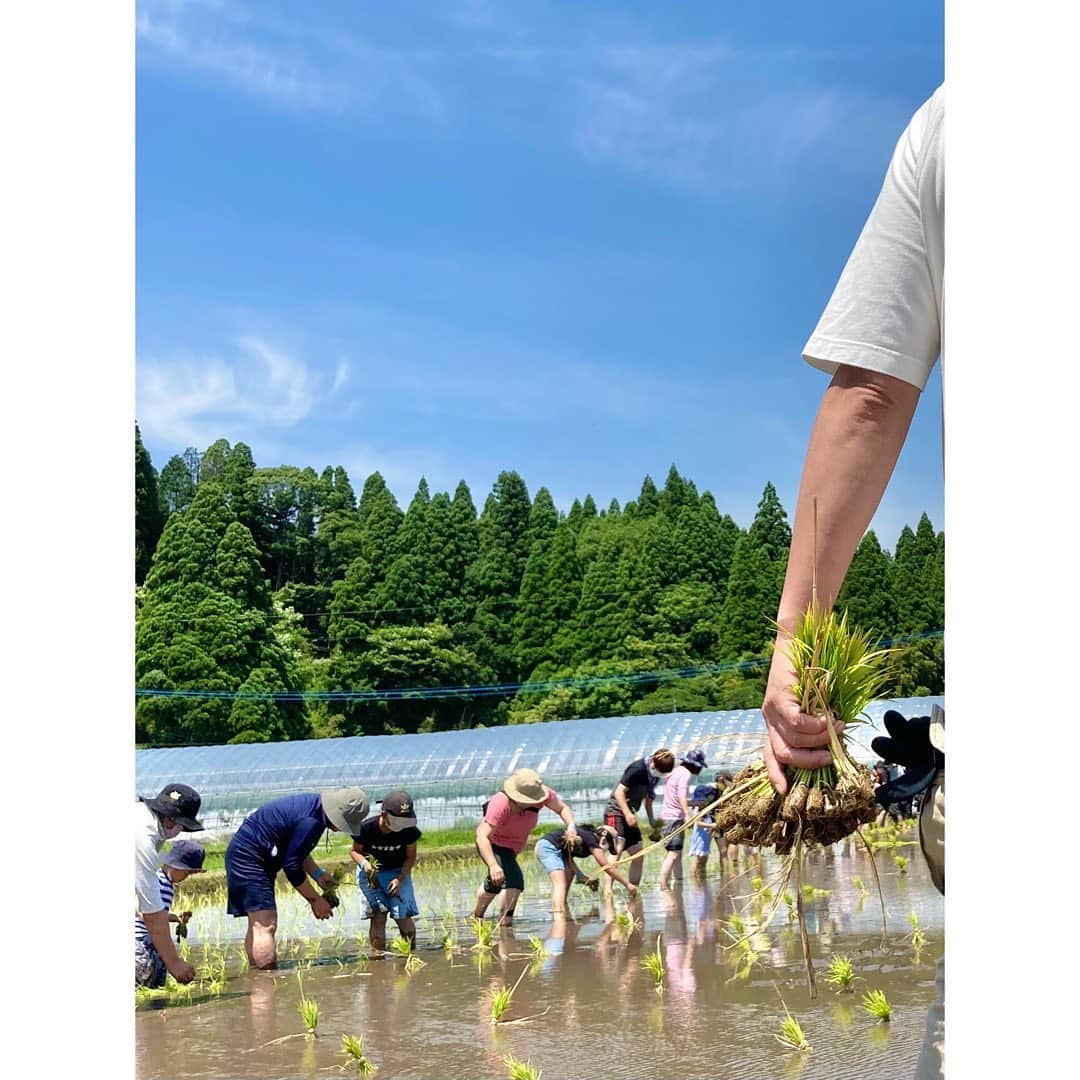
[320,908]
[795,738]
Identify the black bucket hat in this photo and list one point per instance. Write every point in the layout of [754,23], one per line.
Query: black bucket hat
[179,802]
[185,855]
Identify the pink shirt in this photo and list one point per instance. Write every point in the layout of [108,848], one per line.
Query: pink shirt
[510,828]
[678,783]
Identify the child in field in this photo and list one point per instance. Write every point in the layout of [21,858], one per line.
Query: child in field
[704,829]
[384,851]
[184,858]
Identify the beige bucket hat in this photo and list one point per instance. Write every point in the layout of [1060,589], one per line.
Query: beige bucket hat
[346,808]
[525,786]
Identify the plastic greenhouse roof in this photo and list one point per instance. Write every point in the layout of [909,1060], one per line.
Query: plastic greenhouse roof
[589,752]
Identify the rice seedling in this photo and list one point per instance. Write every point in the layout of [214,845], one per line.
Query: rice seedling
[413,964]
[538,949]
[901,862]
[792,1035]
[876,1004]
[625,923]
[789,902]
[811,893]
[520,1070]
[308,1009]
[653,963]
[401,946]
[756,883]
[840,974]
[918,938]
[858,883]
[352,1046]
[737,926]
[485,935]
[501,998]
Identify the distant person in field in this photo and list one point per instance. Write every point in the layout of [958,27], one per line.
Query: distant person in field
[509,817]
[879,339]
[384,850]
[722,781]
[675,810]
[281,836]
[558,855]
[173,811]
[636,786]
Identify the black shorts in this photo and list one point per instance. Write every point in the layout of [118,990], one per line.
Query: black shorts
[630,833]
[674,842]
[515,879]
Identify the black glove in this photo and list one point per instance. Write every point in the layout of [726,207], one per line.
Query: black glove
[908,744]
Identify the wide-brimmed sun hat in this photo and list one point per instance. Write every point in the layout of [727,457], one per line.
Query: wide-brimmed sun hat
[180,803]
[346,808]
[525,786]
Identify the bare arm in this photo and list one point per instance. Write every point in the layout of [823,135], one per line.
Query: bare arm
[157,923]
[483,845]
[556,805]
[649,811]
[861,425]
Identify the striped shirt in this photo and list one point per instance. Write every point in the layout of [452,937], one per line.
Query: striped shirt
[166,887]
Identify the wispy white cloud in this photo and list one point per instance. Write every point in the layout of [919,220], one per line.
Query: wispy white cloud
[185,401]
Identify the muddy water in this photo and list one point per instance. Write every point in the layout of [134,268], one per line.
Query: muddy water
[596,1014]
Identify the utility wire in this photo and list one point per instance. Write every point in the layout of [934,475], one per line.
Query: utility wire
[428,693]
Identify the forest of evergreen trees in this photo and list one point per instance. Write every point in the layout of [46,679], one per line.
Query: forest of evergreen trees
[279,580]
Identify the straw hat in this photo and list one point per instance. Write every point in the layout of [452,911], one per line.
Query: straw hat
[525,786]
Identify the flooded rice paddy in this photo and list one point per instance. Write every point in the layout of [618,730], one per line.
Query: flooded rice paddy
[593,1008]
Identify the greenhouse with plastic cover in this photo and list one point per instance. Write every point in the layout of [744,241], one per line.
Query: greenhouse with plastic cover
[450,773]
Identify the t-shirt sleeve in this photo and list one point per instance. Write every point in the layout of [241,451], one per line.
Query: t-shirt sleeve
[305,836]
[147,889]
[883,314]
[552,799]
[498,811]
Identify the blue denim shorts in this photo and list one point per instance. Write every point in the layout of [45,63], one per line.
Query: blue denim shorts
[378,900]
[551,858]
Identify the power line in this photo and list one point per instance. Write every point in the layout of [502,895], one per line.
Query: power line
[429,693]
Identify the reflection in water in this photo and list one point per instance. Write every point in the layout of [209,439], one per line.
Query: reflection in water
[604,1019]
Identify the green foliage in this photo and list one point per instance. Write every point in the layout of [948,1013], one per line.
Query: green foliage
[150,509]
[268,580]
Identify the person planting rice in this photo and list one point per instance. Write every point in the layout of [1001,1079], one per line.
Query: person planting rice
[172,812]
[675,810]
[281,836]
[637,785]
[557,854]
[183,859]
[384,850]
[509,817]
[704,829]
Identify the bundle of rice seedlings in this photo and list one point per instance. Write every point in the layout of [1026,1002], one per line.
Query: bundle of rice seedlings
[840,974]
[918,938]
[838,673]
[502,996]
[791,1035]
[352,1046]
[520,1070]
[485,935]
[876,1004]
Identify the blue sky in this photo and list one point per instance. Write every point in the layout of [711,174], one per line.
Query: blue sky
[580,240]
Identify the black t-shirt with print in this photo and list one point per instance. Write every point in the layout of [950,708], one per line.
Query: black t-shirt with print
[638,782]
[387,849]
[583,847]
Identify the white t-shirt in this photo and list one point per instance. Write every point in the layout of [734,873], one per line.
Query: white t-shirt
[886,313]
[148,841]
